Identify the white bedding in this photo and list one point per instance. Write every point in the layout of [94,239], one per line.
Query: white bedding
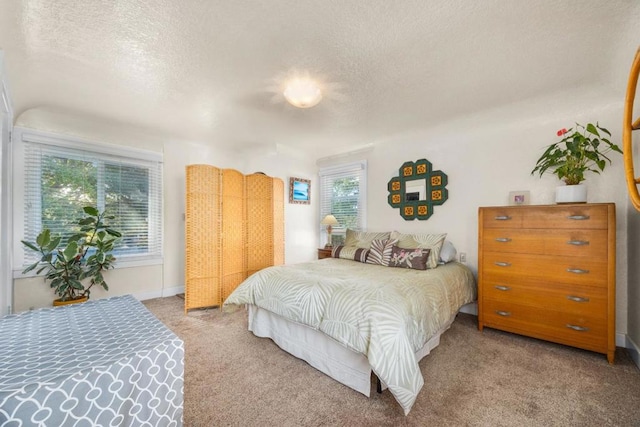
[386,314]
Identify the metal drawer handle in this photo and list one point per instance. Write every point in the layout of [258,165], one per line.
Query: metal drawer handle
[578,242]
[577,299]
[503,239]
[502,264]
[503,313]
[577,271]
[503,218]
[578,217]
[577,328]
[502,288]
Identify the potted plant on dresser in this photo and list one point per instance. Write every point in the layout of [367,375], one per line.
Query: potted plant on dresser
[580,150]
[72,270]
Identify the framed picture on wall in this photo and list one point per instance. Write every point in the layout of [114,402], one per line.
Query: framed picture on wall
[299,191]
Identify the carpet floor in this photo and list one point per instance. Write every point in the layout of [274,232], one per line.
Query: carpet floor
[490,378]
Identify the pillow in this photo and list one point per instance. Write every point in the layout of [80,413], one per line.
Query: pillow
[409,258]
[448,252]
[354,254]
[380,252]
[423,241]
[363,239]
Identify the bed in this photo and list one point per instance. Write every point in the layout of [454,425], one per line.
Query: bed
[349,318]
[103,362]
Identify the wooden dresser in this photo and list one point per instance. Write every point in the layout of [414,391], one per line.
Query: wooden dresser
[549,272]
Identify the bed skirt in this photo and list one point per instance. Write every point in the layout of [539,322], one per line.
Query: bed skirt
[321,351]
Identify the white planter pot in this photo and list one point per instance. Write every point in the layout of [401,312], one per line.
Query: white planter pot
[571,193]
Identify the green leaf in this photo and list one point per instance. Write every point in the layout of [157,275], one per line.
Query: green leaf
[591,128]
[113,232]
[43,238]
[70,251]
[75,284]
[31,267]
[90,210]
[86,221]
[30,245]
[53,243]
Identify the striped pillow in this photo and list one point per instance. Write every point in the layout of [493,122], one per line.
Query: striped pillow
[380,252]
[345,252]
[363,239]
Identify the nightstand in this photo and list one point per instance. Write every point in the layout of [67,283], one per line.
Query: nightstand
[324,253]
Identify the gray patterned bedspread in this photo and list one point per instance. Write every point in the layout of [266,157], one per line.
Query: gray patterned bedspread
[385,313]
[107,362]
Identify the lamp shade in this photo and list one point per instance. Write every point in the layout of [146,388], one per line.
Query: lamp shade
[329,220]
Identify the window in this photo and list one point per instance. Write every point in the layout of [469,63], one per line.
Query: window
[343,193]
[61,177]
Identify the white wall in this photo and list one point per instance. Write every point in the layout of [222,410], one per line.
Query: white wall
[488,155]
[301,221]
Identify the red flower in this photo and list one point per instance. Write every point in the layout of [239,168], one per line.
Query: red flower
[562,131]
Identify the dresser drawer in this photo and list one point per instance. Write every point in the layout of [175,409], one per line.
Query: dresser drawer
[583,331]
[579,300]
[578,243]
[546,217]
[546,268]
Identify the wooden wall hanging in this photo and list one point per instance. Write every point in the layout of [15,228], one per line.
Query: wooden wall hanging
[417,190]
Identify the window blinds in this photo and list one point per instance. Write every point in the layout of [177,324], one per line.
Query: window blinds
[60,180]
[343,193]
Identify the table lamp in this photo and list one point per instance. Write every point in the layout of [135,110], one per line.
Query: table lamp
[329,221]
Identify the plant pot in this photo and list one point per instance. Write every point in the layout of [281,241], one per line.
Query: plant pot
[571,194]
[58,302]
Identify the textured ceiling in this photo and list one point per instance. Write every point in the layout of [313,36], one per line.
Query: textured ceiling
[212,70]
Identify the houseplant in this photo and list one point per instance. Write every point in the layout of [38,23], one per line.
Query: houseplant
[75,268]
[583,149]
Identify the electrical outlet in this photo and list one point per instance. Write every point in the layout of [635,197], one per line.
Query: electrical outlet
[463,257]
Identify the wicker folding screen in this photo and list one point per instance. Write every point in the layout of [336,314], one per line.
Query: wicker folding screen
[259,222]
[202,237]
[234,227]
[278,221]
[234,268]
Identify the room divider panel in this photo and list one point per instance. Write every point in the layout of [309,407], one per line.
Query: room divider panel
[234,227]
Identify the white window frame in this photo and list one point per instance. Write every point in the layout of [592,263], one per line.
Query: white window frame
[24,135]
[6,228]
[362,193]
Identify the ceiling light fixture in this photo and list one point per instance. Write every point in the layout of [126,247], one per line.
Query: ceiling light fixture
[303,92]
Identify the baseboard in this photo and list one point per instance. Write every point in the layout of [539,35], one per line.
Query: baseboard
[634,351]
[166,292]
[621,340]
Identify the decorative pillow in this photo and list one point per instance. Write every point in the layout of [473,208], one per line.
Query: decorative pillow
[355,254]
[380,252]
[448,252]
[409,258]
[363,239]
[423,241]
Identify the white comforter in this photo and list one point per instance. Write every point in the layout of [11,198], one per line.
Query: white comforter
[385,313]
